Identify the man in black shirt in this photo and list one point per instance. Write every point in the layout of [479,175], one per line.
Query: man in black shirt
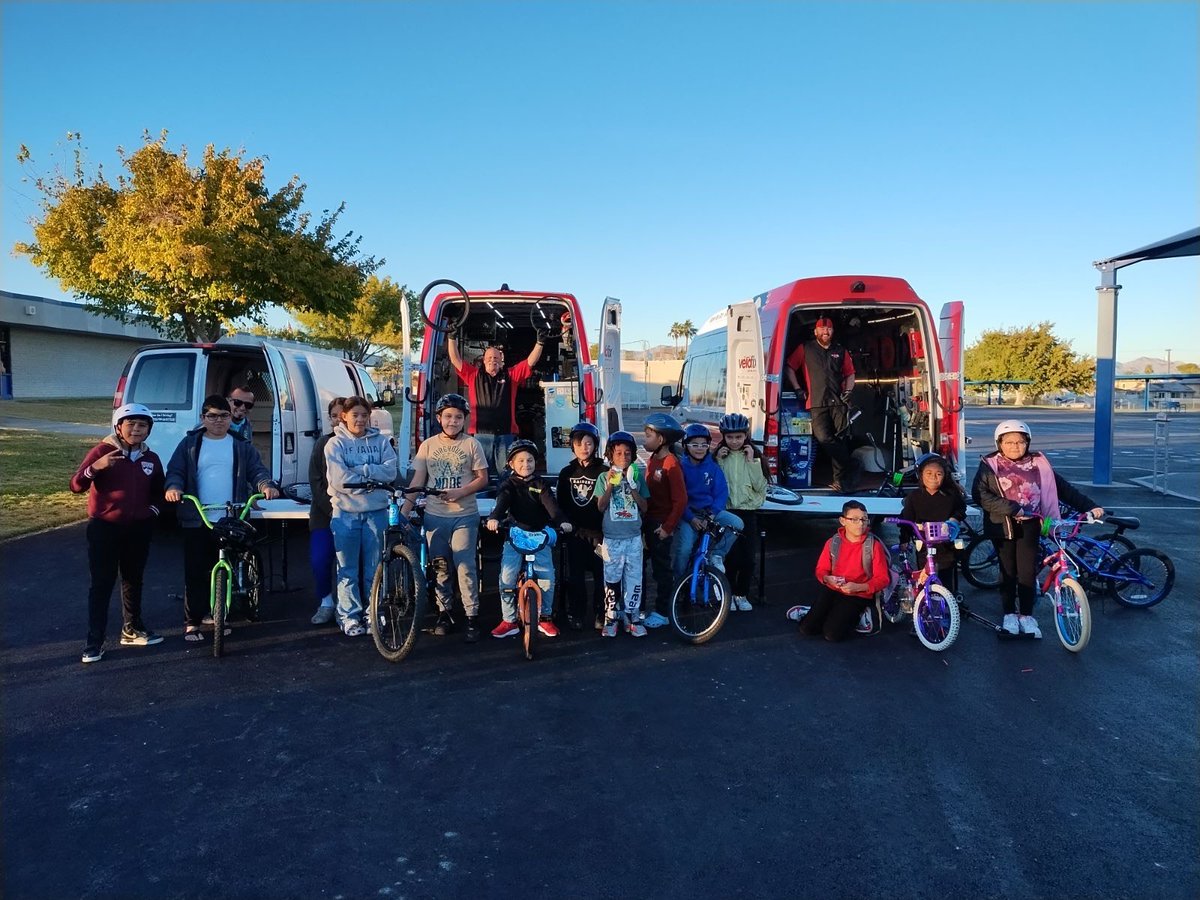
[828,380]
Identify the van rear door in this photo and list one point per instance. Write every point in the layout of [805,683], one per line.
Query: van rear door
[952,442]
[283,419]
[403,445]
[170,382]
[745,391]
[609,415]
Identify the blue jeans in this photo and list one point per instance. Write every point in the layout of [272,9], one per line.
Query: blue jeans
[511,563]
[495,450]
[685,541]
[357,538]
[321,556]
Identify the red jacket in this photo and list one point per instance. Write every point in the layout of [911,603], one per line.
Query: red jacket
[668,493]
[850,565]
[127,491]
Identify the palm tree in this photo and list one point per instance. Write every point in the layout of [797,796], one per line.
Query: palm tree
[675,333]
[687,331]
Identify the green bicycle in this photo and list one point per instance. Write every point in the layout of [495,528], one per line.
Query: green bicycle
[237,574]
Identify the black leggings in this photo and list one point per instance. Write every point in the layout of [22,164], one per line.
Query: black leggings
[582,559]
[1019,563]
[116,548]
[833,614]
[742,558]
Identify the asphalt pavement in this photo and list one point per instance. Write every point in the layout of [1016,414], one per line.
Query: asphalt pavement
[759,765]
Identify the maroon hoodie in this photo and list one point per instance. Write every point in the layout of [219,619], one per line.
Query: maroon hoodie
[128,491]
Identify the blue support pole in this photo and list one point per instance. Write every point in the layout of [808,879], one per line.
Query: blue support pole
[1106,373]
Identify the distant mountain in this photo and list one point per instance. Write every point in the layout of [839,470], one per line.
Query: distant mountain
[1138,366]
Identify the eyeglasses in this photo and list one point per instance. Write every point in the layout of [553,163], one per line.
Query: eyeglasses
[1018,442]
[249,404]
[216,417]
[857,520]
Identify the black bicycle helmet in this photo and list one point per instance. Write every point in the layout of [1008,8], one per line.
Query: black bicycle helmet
[734,422]
[452,401]
[666,425]
[620,437]
[581,428]
[519,445]
[695,431]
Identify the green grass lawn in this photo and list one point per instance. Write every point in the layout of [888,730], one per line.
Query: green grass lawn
[35,481]
[91,411]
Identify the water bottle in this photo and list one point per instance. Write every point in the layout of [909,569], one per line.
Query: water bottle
[393,513]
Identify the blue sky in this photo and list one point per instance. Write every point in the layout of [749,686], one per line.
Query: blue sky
[678,156]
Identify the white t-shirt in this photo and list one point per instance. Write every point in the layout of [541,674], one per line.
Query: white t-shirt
[214,470]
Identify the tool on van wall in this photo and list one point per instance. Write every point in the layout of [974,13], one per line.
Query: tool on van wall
[453,325]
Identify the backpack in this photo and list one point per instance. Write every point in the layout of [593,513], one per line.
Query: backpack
[875,607]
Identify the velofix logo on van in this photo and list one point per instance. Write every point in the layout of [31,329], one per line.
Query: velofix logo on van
[748,362]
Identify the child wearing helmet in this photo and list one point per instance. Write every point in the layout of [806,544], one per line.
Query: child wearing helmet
[708,493]
[1016,490]
[746,475]
[576,493]
[452,461]
[621,498]
[938,498]
[668,500]
[526,498]
[123,478]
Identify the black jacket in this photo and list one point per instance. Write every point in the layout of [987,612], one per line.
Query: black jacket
[998,510]
[529,503]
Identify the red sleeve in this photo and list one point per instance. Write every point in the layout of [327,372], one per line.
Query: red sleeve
[519,373]
[847,364]
[824,563]
[467,372]
[795,360]
[879,568]
[82,479]
[678,494]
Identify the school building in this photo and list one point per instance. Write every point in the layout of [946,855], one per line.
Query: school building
[50,348]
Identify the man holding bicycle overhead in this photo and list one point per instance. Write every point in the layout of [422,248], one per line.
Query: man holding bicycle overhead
[492,393]
[213,465]
[452,461]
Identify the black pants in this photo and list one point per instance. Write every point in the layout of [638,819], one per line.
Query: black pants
[658,555]
[1020,559]
[742,558]
[200,552]
[833,614]
[827,421]
[116,548]
[582,560]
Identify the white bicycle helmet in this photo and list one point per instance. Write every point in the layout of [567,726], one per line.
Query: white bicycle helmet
[132,411]
[1011,426]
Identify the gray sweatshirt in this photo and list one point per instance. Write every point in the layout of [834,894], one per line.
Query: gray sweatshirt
[349,460]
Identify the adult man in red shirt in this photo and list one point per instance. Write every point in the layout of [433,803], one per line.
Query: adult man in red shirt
[492,392]
[828,381]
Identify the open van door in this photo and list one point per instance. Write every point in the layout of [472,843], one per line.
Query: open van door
[283,420]
[744,393]
[609,414]
[952,443]
[403,436]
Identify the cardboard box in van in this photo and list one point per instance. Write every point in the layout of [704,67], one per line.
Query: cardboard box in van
[292,386]
[908,389]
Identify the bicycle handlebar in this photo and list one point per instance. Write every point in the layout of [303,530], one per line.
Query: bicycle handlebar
[201,508]
[930,532]
[1050,524]
[370,485]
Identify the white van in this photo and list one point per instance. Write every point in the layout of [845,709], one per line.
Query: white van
[908,382]
[292,385]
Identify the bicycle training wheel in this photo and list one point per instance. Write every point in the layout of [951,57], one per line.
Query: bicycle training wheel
[397,601]
[529,604]
[1142,578]
[251,587]
[700,605]
[936,617]
[220,589]
[981,564]
[1072,614]
[454,324]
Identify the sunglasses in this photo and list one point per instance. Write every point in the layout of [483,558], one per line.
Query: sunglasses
[249,404]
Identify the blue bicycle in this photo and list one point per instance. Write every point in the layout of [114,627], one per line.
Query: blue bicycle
[700,603]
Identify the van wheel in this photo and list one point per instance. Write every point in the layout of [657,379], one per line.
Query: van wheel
[454,324]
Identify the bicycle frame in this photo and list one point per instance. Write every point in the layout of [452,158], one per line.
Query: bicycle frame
[925,597]
[712,530]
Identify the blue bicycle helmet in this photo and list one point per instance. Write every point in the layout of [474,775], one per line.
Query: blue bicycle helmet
[581,428]
[734,422]
[696,431]
[620,437]
[665,425]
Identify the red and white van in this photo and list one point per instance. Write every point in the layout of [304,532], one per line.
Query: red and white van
[908,381]
[567,387]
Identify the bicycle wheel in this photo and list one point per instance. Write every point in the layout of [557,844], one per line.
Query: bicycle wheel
[529,605]
[936,617]
[397,601]
[452,325]
[1092,555]
[980,564]
[251,588]
[898,600]
[783,496]
[1119,543]
[1142,578]
[700,605]
[1072,614]
[220,589]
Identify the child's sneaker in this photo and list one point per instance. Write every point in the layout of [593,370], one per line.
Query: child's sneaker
[741,604]
[864,623]
[1029,625]
[506,629]
[352,628]
[92,654]
[609,629]
[635,629]
[139,637]
[599,622]
[796,613]
[547,627]
[1011,624]
[656,620]
[323,615]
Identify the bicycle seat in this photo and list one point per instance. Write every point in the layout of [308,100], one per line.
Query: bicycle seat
[1122,522]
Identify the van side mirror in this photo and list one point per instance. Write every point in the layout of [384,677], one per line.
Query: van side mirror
[387,397]
[669,397]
